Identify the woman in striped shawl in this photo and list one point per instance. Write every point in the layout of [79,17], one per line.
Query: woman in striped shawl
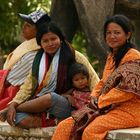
[41,92]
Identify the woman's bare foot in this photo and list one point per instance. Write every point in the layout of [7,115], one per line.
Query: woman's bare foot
[3,114]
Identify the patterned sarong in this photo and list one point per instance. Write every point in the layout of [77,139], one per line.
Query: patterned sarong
[126,78]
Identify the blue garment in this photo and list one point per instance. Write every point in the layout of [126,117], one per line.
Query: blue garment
[60,108]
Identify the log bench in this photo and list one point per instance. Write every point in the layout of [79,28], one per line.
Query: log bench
[13,133]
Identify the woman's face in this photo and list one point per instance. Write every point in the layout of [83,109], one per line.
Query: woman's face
[115,36]
[28,31]
[50,42]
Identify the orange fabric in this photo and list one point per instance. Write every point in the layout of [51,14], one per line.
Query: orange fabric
[63,130]
[124,116]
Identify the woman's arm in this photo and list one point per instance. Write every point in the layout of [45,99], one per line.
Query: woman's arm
[114,96]
[11,113]
[20,70]
[22,95]
[69,92]
[69,97]
[96,91]
[26,89]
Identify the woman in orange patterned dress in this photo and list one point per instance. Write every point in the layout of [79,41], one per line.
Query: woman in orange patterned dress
[117,33]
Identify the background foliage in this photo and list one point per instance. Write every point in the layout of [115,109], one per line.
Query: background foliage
[10,23]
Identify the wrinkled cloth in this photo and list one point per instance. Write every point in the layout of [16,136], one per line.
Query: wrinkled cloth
[125,115]
[81,98]
[32,86]
[31,82]
[7,92]
[126,78]
[21,50]
[18,64]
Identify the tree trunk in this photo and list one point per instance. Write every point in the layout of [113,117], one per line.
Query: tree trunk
[63,12]
[137,33]
[130,8]
[92,14]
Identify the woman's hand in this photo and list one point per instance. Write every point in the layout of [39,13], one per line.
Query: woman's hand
[11,113]
[70,99]
[3,114]
[93,103]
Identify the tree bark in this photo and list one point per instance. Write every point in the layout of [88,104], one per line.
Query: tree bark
[92,14]
[63,12]
[136,40]
[130,8]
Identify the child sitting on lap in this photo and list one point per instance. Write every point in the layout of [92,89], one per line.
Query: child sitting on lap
[79,95]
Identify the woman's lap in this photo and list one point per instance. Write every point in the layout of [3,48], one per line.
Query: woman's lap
[115,119]
[98,128]
[60,108]
[20,116]
[63,130]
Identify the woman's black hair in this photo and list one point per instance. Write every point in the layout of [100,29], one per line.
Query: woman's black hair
[76,68]
[48,27]
[127,26]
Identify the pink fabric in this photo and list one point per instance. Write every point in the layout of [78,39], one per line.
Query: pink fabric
[81,98]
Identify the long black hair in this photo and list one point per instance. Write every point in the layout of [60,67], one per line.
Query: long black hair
[67,54]
[127,26]
[48,27]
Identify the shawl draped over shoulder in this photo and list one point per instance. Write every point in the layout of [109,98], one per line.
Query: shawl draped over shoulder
[67,56]
[125,78]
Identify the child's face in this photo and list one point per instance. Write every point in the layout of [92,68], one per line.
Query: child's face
[80,81]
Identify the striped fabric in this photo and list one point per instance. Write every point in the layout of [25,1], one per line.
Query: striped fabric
[21,69]
[52,81]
